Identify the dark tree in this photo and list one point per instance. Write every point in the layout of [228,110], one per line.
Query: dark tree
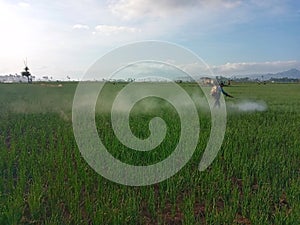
[26,73]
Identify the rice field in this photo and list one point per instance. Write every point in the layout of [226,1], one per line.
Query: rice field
[255,178]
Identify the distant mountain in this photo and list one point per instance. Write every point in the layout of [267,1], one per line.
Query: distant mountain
[292,73]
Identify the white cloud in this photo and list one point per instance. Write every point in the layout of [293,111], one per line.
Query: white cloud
[242,68]
[81,27]
[143,69]
[193,16]
[185,18]
[135,9]
[111,30]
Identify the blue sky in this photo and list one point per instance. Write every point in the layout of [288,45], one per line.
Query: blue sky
[62,38]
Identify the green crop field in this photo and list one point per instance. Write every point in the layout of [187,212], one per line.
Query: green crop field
[255,178]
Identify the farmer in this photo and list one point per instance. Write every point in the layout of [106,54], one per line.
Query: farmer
[216,93]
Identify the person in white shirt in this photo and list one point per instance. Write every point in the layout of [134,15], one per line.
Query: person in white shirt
[216,91]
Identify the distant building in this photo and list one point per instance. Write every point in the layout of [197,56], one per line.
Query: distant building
[13,79]
[206,81]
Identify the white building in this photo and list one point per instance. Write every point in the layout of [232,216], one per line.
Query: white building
[14,79]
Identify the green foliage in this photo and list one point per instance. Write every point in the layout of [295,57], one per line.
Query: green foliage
[44,179]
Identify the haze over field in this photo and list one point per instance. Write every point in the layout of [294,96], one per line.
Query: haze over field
[62,38]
